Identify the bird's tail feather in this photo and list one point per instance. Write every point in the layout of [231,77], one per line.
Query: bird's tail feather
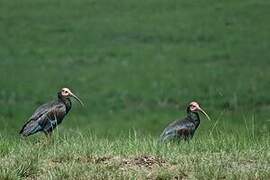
[167,135]
[30,128]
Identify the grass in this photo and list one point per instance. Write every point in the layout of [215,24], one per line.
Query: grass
[136,65]
[216,157]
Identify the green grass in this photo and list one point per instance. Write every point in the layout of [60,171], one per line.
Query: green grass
[136,65]
[218,156]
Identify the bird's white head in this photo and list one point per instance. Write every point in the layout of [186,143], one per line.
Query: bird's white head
[195,107]
[65,92]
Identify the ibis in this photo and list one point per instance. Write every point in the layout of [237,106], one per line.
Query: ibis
[184,129]
[49,115]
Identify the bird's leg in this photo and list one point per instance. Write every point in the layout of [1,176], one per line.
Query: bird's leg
[48,133]
[187,139]
[49,138]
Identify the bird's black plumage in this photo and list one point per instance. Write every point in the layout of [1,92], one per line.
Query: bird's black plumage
[48,115]
[182,129]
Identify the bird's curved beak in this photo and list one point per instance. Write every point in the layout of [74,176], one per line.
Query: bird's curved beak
[205,114]
[78,99]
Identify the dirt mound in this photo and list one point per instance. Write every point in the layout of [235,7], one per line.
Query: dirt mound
[145,161]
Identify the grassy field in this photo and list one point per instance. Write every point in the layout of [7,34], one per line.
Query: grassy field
[136,65]
[213,157]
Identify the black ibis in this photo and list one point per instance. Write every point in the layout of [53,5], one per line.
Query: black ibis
[184,129]
[49,115]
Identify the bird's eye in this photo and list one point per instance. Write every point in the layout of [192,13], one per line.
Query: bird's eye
[192,107]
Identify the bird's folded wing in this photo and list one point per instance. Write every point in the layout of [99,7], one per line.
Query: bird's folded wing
[43,109]
[169,132]
[54,117]
[175,128]
[41,118]
[51,114]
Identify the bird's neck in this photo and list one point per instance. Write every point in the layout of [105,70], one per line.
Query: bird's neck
[194,117]
[65,100]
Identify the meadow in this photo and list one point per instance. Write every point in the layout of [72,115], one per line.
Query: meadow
[136,65]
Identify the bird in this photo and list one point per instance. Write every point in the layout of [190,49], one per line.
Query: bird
[49,115]
[184,129]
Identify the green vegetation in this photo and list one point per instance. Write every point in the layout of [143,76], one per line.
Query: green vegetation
[215,157]
[136,65]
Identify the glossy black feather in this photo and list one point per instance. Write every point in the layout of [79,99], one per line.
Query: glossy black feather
[182,129]
[47,117]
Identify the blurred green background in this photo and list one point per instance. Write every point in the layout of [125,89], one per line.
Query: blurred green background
[136,64]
